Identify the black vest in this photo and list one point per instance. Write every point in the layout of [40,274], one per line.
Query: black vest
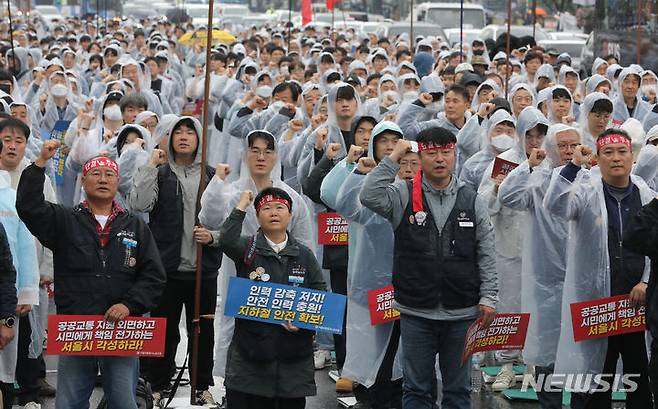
[431,266]
[166,224]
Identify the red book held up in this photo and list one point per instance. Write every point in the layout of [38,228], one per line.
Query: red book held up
[502,167]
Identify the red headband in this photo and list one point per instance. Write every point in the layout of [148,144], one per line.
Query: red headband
[269,199]
[610,139]
[100,162]
[430,146]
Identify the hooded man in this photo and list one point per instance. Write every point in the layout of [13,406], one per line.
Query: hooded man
[599,204]
[544,249]
[628,103]
[167,189]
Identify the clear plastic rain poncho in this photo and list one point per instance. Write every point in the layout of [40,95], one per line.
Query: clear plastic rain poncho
[586,136]
[645,164]
[52,114]
[375,107]
[621,114]
[306,162]
[370,267]
[143,87]
[473,169]
[611,75]
[544,250]
[130,156]
[582,203]
[598,61]
[594,81]
[518,87]
[508,223]
[217,202]
[23,72]
[545,71]
[553,116]
[475,104]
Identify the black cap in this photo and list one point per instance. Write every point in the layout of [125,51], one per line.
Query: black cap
[471,78]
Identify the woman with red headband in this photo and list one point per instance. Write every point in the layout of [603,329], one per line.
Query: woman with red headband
[599,204]
[269,365]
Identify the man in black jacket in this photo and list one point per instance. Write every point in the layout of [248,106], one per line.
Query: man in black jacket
[8,297]
[105,263]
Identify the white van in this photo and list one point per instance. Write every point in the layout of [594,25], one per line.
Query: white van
[448,15]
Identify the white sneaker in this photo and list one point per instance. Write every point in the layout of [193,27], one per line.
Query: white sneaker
[32,405]
[505,379]
[322,358]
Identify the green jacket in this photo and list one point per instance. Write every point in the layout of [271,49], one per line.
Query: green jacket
[278,375]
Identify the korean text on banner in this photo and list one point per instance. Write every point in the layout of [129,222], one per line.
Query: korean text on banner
[502,167]
[93,335]
[507,331]
[277,303]
[332,229]
[59,159]
[606,317]
[380,303]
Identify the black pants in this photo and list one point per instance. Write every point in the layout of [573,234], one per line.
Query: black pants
[179,293]
[240,400]
[633,351]
[339,286]
[28,371]
[653,371]
[382,392]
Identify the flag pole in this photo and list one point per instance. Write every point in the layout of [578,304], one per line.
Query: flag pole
[289,23]
[411,27]
[638,32]
[534,18]
[461,32]
[11,36]
[508,45]
[196,322]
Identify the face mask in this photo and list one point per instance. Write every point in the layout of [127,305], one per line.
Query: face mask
[112,113]
[6,88]
[277,105]
[478,52]
[59,90]
[264,91]
[502,143]
[410,96]
[647,89]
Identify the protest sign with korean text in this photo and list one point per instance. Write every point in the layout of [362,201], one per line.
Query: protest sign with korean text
[332,229]
[59,159]
[507,331]
[380,303]
[277,303]
[606,317]
[502,167]
[94,336]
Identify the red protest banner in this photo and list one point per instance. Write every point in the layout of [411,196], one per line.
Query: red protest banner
[332,229]
[502,167]
[92,335]
[606,317]
[507,331]
[380,303]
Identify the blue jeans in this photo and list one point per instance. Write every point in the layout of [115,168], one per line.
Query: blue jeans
[422,340]
[76,378]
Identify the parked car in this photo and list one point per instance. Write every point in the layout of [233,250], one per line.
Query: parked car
[469,36]
[493,31]
[448,15]
[420,29]
[573,47]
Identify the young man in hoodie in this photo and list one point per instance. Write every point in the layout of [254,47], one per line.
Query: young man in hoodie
[435,311]
[168,190]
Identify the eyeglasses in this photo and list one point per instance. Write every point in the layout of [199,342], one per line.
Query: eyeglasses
[565,146]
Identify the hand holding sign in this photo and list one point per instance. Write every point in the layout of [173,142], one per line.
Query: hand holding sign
[117,312]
